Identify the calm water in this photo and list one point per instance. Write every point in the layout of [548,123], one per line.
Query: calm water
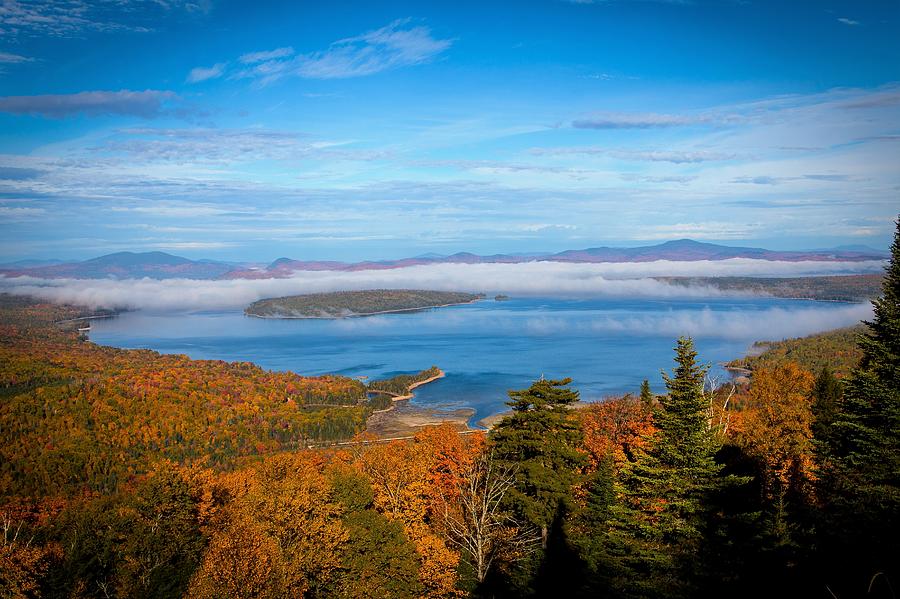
[606,346]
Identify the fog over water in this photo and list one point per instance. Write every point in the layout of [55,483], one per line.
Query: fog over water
[548,279]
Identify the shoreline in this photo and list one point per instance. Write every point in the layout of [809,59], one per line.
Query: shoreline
[80,318]
[394,397]
[400,419]
[361,314]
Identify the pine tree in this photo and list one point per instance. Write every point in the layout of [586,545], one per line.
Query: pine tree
[646,394]
[659,523]
[685,440]
[827,393]
[541,441]
[861,478]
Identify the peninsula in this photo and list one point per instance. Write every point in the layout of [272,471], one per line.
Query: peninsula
[347,304]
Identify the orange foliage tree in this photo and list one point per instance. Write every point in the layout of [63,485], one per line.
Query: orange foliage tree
[775,430]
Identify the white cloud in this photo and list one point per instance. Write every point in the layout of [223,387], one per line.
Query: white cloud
[643,120]
[393,46]
[199,74]
[7,58]
[847,21]
[254,57]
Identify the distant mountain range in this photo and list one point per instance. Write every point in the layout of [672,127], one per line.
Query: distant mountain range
[159,265]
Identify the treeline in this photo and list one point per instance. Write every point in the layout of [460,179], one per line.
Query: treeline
[76,416]
[402,383]
[838,350]
[841,288]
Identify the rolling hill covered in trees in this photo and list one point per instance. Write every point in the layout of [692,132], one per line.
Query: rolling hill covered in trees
[838,350]
[76,416]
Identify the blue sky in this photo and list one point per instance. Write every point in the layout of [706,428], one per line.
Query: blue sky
[352,131]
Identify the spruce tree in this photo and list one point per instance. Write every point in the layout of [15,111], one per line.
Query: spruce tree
[685,440]
[646,394]
[659,524]
[826,396]
[861,476]
[541,441]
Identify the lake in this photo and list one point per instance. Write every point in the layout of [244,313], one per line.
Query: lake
[607,346]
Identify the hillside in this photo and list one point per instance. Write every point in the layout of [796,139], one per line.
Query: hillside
[844,288]
[343,304]
[837,349]
[75,415]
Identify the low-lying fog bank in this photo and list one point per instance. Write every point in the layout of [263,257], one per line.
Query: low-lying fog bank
[552,279]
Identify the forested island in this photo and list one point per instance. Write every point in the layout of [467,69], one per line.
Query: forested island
[345,304]
[840,288]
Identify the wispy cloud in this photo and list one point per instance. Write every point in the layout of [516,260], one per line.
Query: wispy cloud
[847,21]
[224,146]
[145,104]
[7,58]
[673,156]
[72,18]
[641,120]
[399,44]
[266,55]
[393,46]
[768,180]
[199,74]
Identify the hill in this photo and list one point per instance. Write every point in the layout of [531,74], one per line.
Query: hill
[844,288]
[78,416]
[128,265]
[836,349]
[344,304]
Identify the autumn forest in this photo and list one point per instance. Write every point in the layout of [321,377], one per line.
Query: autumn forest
[127,473]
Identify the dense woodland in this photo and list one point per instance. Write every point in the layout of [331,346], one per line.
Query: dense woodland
[788,486]
[80,417]
[341,304]
[838,350]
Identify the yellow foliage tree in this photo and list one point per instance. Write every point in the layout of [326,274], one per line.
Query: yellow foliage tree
[775,430]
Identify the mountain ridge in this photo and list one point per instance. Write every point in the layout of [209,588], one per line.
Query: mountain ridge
[161,265]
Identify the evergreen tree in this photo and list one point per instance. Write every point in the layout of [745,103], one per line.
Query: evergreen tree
[861,473]
[827,393]
[646,394]
[659,524]
[541,441]
[684,439]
